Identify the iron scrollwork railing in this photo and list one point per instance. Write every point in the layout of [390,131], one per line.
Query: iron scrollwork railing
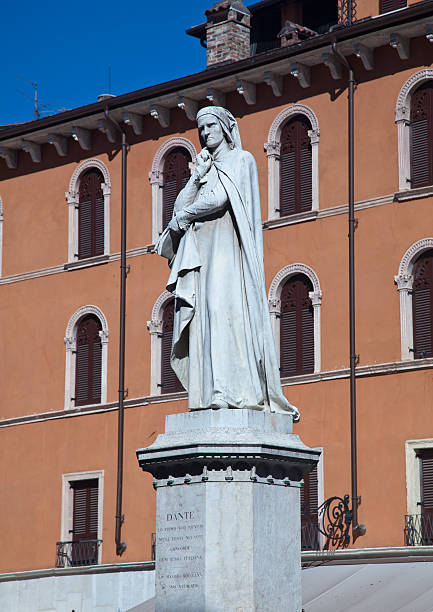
[77,553]
[418,529]
[332,522]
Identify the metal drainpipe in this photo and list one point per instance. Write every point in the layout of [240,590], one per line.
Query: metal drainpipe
[121,546]
[357,529]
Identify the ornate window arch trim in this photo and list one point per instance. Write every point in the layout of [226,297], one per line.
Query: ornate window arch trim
[71,347]
[72,198]
[155,329]
[402,119]
[156,177]
[1,235]
[404,282]
[272,148]
[274,298]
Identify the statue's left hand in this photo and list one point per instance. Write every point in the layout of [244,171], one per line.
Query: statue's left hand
[179,223]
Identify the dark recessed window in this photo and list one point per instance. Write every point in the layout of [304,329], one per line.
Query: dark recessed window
[295,167]
[91,215]
[421,136]
[176,174]
[296,327]
[169,381]
[88,363]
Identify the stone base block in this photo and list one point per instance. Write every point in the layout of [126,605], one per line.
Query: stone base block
[228,511]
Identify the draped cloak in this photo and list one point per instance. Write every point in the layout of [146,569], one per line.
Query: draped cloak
[223,346]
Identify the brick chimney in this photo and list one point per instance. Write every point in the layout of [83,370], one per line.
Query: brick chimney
[227,32]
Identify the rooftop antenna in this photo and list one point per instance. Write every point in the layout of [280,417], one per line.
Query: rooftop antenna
[37,104]
[109,79]
[35,99]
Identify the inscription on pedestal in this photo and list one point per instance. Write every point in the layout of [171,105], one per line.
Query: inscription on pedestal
[180,550]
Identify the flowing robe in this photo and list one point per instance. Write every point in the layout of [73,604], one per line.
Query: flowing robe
[223,347]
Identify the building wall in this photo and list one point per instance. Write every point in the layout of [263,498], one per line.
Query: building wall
[35,311]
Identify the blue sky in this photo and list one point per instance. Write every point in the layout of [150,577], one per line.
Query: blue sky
[67,48]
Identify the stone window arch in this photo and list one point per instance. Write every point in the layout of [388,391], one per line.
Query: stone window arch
[273,149]
[156,330]
[274,297]
[156,177]
[405,281]
[71,352]
[402,119]
[73,199]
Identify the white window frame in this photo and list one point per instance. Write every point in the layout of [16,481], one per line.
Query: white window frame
[404,281]
[71,348]
[68,504]
[156,177]
[274,298]
[402,120]
[273,147]
[413,482]
[155,329]
[73,199]
[1,235]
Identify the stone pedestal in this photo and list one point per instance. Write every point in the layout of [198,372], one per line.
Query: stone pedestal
[227,511]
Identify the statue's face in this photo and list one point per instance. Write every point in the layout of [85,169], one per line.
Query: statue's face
[210,130]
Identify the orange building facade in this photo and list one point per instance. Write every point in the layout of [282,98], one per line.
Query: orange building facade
[49,442]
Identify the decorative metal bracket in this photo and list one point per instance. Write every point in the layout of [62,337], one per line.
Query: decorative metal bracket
[335,518]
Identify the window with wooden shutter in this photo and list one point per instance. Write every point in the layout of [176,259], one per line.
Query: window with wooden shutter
[426,482]
[88,363]
[295,167]
[309,511]
[91,215]
[85,522]
[176,174]
[391,5]
[422,306]
[169,381]
[296,327]
[421,136]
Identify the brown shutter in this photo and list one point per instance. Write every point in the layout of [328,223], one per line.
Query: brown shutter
[85,521]
[426,474]
[169,381]
[88,362]
[391,5]
[421,136]
[296,327]
[91,215]
[309,511]
[176,175]
[295,167]
[422,306]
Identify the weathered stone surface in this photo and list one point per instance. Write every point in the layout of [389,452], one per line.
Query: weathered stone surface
[228,513]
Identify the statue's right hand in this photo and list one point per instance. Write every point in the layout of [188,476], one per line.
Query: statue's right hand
[204,162]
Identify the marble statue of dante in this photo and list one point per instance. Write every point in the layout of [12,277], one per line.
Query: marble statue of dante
[223,348]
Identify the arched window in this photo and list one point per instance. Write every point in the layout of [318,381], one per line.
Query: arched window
[295,167]
[86,341]
[421,135]
[296,327]
[422,305]
[293,164]
[176,175]
[88,362]
[91,215]
[414,120]
[170,171]
[89,211]
[169,381]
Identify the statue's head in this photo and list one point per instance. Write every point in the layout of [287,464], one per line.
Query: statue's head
[215,124]
[210,131]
